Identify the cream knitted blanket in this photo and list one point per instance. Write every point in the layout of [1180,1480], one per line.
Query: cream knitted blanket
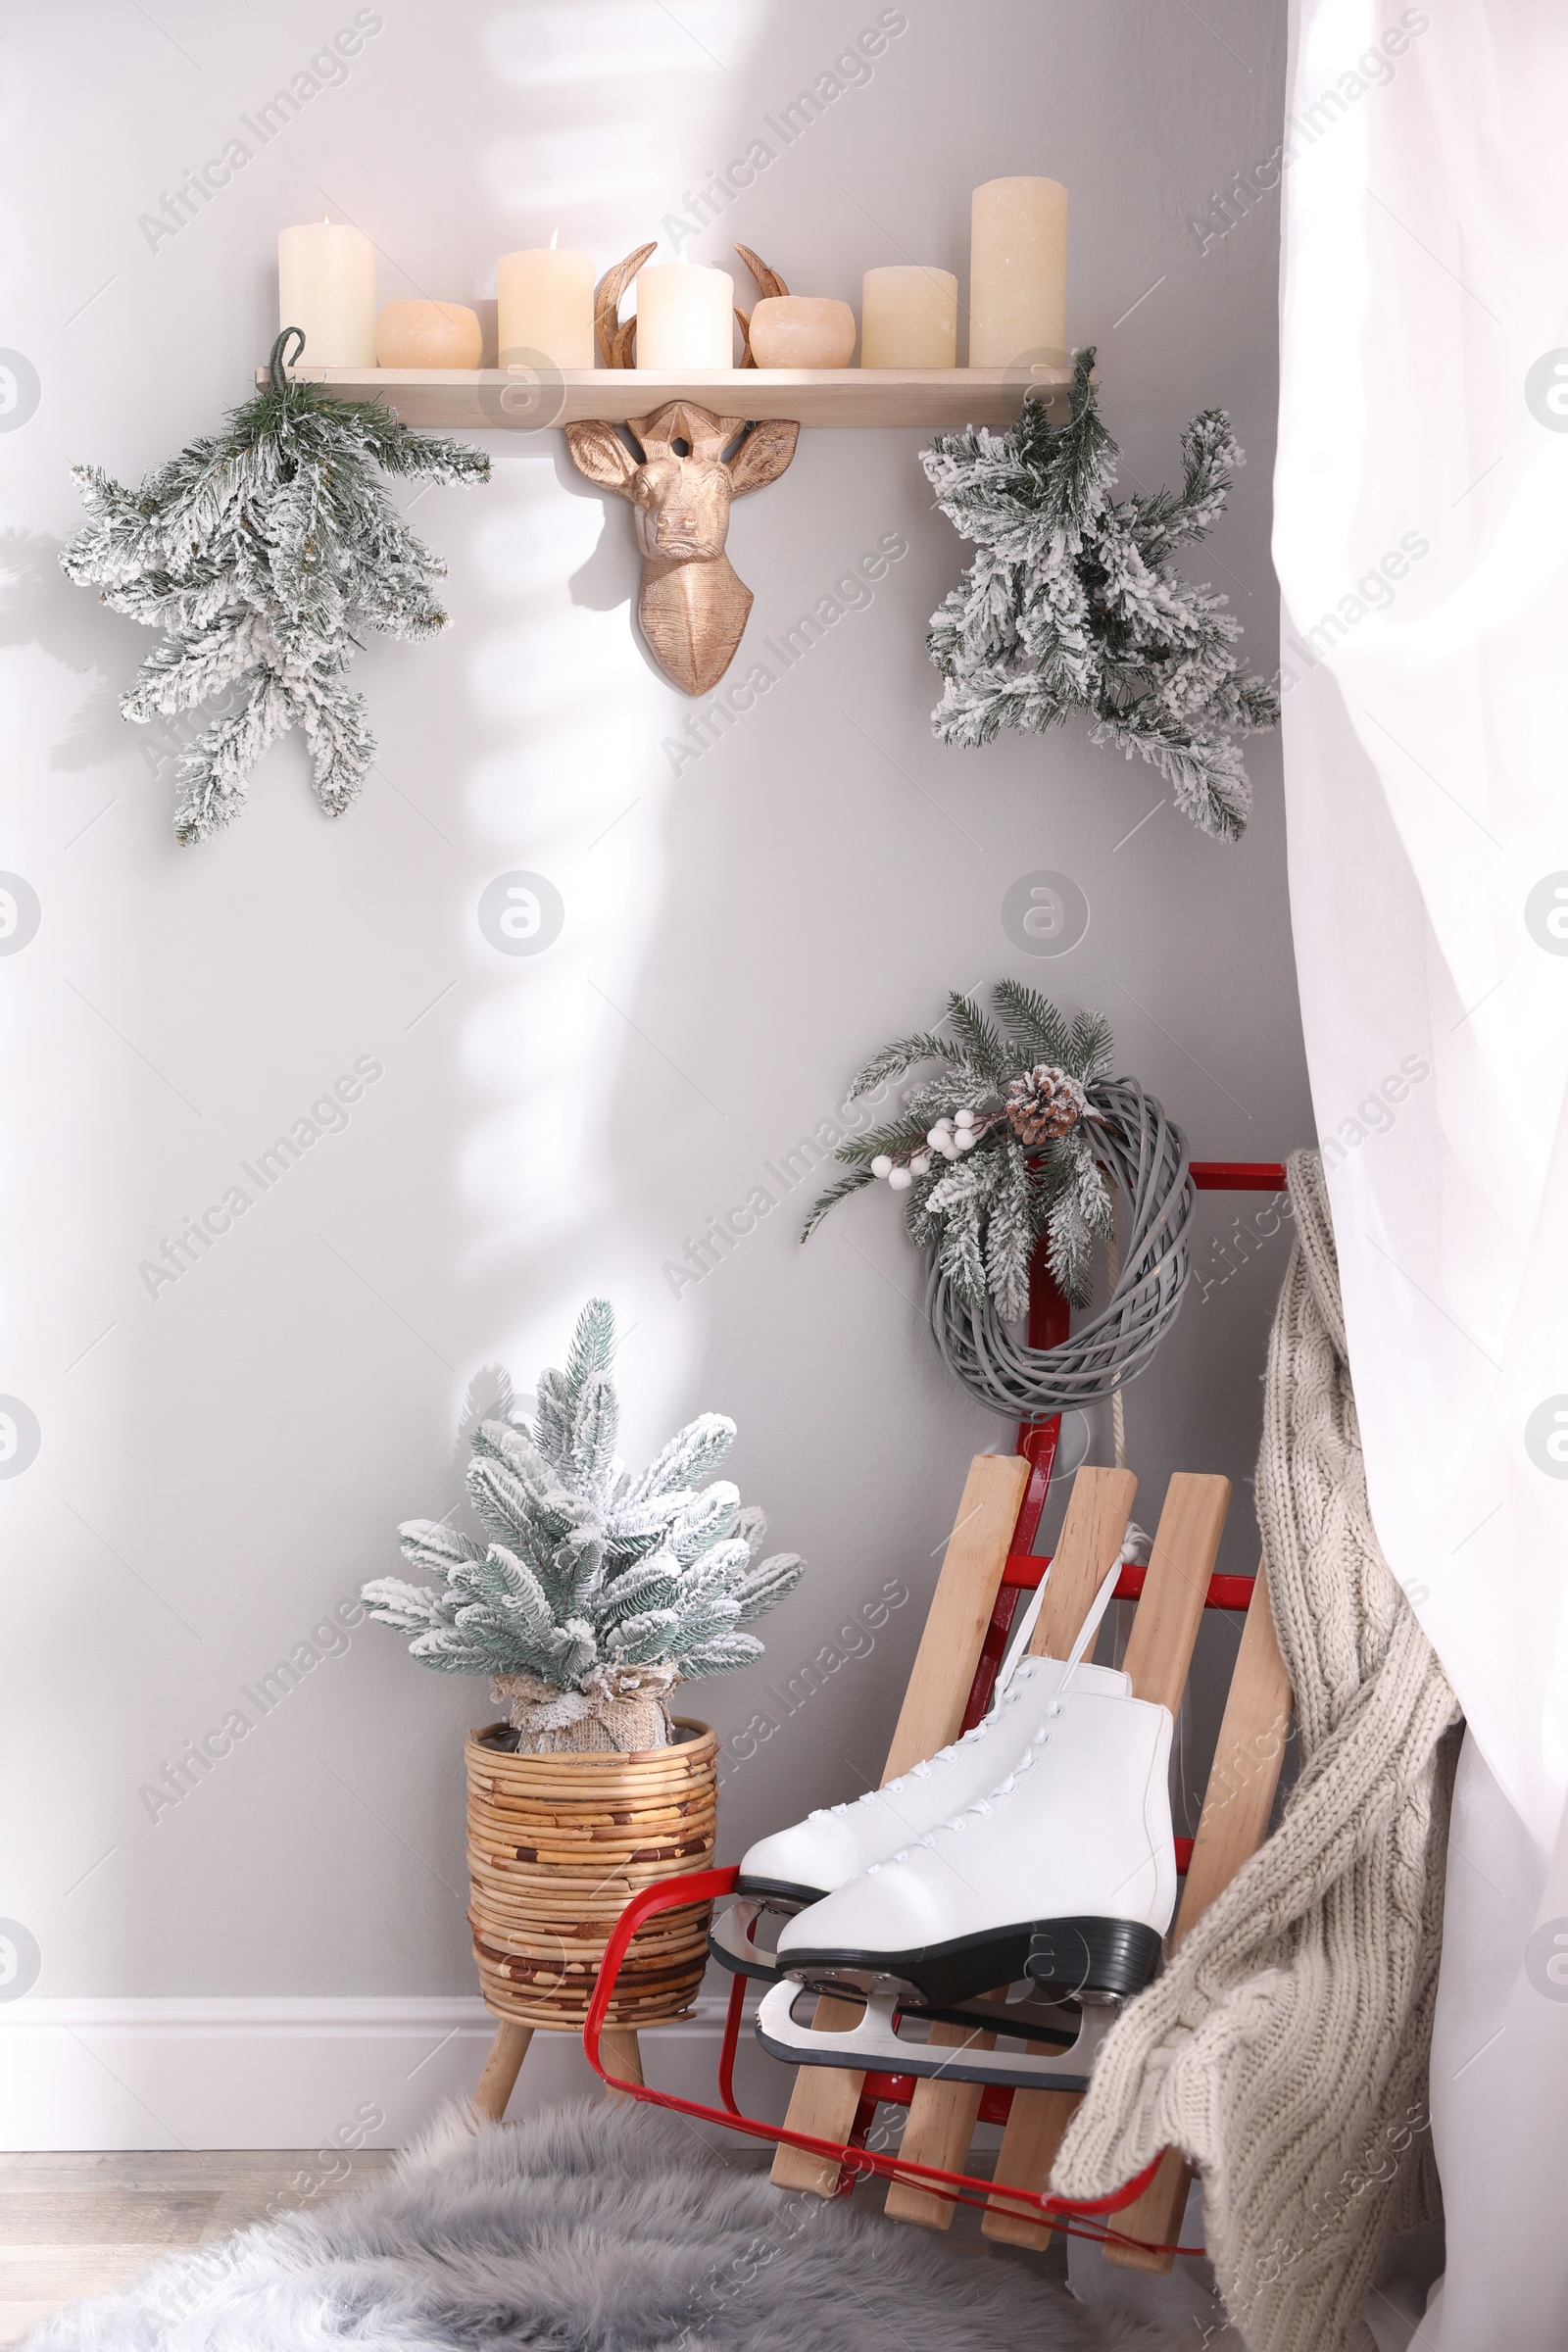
[1285,2047]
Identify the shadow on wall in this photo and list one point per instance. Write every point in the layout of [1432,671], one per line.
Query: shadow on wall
[39,607]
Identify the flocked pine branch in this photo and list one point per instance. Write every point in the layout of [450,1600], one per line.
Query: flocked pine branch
[1071,602]
[587,1566]
[995,1148]
[260,552]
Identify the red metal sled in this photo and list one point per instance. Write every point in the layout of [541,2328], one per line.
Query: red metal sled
[943,2114]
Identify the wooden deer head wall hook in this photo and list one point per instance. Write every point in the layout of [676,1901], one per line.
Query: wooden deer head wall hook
[692,606]
[686,467]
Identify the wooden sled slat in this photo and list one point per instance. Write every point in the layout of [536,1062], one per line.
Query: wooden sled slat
[1160,1652]
[825,2098]
[1231,1828]
[942,2121]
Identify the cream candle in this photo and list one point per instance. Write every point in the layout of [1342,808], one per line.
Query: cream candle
[1018,272]
[326,287]
[427,334]
[685,316]
[546,304]
[908,318]
[802,330]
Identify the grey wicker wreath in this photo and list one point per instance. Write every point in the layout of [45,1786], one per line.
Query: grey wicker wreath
[1146,1156]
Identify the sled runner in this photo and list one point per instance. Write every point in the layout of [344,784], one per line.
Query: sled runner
[878,2039]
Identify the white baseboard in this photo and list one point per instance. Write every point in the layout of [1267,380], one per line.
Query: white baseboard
[278,2072]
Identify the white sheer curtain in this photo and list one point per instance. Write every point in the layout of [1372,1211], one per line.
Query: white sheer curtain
[1422,546]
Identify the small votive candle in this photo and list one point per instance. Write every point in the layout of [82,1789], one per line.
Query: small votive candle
[908,318]
[1017,272]
[326,287]
[427,334]
[801,330]
[685,316]
[544,305]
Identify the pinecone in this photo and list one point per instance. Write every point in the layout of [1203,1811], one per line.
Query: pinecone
[1044,1103]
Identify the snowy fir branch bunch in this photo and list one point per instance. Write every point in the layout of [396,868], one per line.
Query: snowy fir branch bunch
[1072,603]
[588,1568]
[260,552]
[995,1148]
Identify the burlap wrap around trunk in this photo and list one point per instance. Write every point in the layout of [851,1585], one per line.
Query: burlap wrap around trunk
[619,1710]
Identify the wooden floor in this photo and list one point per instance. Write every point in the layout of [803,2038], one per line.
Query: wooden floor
[73,2225]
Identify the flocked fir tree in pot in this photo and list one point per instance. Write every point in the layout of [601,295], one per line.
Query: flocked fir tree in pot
[595,1594]
[597,1591]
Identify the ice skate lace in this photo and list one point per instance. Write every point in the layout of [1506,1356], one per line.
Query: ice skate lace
[923,1771]
[998,1795]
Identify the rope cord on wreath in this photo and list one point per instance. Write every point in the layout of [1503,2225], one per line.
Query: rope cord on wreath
[1146,1156]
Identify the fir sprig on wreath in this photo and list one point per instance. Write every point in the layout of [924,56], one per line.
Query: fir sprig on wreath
[260,550]
[1072,603]
[995,1148]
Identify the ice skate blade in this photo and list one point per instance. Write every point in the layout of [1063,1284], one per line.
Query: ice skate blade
[1114,1956]
[875,2044]
[730,1942]
[1026,2015]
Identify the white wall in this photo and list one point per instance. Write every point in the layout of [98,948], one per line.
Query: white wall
[222,1464]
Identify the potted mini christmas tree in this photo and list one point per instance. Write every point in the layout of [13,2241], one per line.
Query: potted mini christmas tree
[596,1594]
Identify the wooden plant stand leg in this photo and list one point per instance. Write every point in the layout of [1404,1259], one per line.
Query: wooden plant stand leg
[1230,1829]
[622,2055]
[1160,1652]
[826,2098]
[942,2114]
[499,2077]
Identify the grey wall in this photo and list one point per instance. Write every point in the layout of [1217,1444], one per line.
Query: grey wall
[223,1462]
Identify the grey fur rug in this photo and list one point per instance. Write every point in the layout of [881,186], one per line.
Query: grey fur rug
[594,2228]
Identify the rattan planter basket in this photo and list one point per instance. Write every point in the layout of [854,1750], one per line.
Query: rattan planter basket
[557,1845]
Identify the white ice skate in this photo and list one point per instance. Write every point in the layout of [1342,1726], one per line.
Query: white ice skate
[801,1865]
[798,1866]
[1062,1876]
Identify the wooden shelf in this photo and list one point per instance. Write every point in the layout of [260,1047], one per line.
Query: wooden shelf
[461,399]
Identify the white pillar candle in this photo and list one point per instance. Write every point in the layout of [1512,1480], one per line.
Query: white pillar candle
[1018,272]
[685,316]
[546,304]
[908,318]
[326,286]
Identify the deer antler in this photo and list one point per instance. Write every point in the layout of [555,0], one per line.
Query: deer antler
[768,284]
[615,334]
[768,281]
